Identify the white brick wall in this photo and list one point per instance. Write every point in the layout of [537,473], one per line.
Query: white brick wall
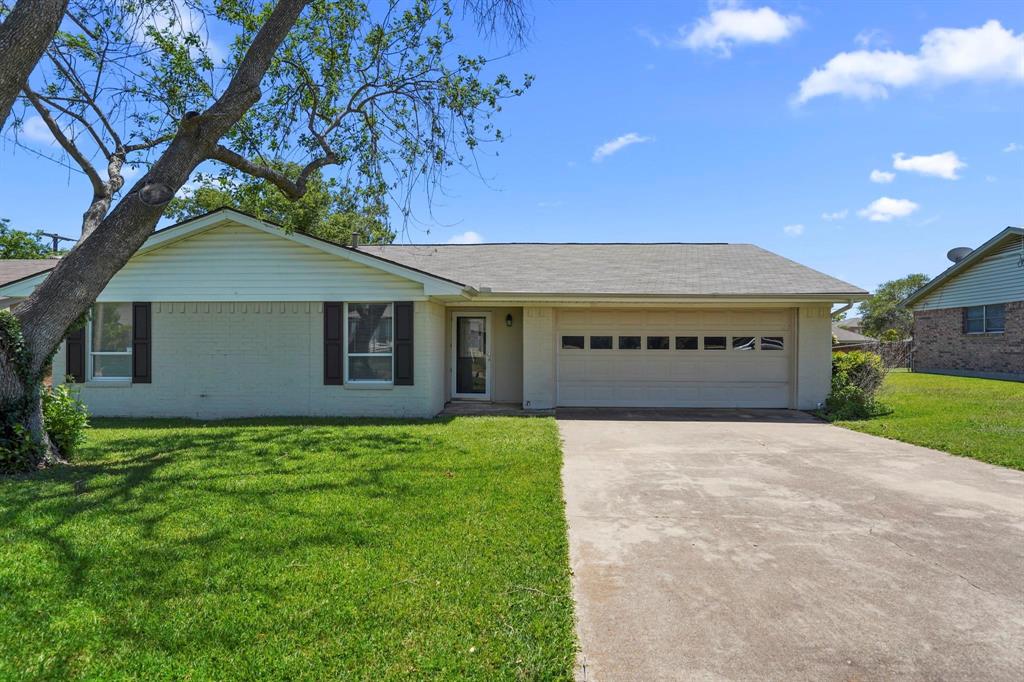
[217,360]
[538,358]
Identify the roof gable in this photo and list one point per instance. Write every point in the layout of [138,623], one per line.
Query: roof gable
[228,255]
[994,270]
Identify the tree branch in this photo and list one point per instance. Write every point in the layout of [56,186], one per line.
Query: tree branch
[66,143]
[293,189]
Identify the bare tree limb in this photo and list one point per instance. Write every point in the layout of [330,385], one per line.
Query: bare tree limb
[65,142]
[24,35]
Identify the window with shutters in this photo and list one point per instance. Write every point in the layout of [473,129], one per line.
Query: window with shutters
[369,342]
[110,342]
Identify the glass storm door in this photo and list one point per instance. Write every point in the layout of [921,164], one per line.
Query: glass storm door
[471,357]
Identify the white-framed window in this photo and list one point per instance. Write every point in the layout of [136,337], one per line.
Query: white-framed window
[110,342]
[369,343]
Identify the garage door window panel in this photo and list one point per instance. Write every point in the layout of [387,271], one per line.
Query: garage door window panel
[657,342]
[687,342]
[572,342]
[629,343]
[715,342]
[773,343]
[600,343]
[744,342]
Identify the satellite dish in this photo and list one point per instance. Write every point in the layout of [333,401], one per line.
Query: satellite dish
[959,253]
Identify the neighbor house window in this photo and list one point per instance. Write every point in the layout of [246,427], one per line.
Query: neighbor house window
[572,343]
[370,342]
[686,343]
[629,343]
[979,319]
[657,343]
[600,343]
[714,343]
[110,342]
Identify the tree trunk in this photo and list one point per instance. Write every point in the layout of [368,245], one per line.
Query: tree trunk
[80,276]
[23,407]
[24,35]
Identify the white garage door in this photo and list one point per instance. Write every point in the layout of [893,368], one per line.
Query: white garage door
[670,358]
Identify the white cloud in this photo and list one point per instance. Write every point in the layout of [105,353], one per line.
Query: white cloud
[469,237]
[885,209]
[729,26]
[835,215]
[647,35]
[794,230]
[34,128]
[881,177]
[988,52]
[871,36]
[618,144]
[944,165]
[1013,147]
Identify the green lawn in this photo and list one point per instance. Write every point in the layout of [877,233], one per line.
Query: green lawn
[287,550]
[979,418]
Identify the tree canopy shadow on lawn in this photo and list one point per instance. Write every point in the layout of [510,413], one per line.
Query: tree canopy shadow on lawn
[280,548]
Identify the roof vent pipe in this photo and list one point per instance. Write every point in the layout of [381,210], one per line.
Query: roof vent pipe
[354,242]
[959,253]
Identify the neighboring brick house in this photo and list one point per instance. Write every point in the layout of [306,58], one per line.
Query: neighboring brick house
[970,319]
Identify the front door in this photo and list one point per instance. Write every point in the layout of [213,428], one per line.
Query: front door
[471,364]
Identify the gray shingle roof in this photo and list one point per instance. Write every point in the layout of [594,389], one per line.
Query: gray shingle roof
[12,270]
[617,269]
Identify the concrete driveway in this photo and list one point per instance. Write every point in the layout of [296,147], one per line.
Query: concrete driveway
[767,545]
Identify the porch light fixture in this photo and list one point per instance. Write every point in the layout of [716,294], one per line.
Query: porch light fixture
[508,320]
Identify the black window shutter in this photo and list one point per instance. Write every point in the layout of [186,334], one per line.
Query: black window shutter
[403,343]
[142,343]
[334,338]
[74,356]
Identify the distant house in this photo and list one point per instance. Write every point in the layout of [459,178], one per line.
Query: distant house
[12,270]
[225,315]
[844,339]
[853,324]
[970,319]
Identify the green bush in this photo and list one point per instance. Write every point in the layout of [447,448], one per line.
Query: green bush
[856,378]
[65,418]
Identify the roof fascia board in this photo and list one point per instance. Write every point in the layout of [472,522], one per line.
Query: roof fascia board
[658,301]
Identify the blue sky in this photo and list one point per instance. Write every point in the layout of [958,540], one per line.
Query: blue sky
[706,136]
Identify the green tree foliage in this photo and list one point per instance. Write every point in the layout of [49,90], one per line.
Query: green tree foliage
[17,244]
[326,210]
[883,314]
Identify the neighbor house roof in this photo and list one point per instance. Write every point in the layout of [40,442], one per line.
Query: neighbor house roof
[845,336]
[15,269]
[966,262]
[671,269]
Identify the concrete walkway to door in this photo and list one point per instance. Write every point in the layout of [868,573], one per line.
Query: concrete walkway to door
[765,545]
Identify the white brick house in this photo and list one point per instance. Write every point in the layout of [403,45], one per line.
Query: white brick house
[228,316]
